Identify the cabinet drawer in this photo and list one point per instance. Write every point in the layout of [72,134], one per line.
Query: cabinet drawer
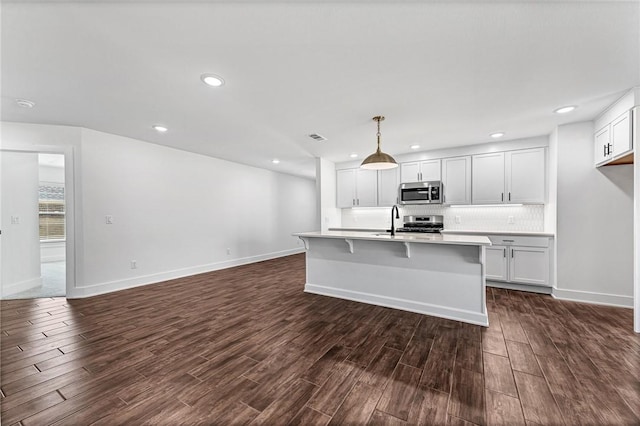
[519,241]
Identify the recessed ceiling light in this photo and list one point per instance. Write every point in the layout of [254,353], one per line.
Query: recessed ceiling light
[275,161]
[414,146]
[159,128]
[24,103]
[497,135]
[354,155]
[212,80]
[565,109]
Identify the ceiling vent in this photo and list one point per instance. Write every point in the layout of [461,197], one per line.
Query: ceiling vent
[317,137]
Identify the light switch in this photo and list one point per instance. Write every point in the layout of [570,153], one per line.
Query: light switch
[108,220]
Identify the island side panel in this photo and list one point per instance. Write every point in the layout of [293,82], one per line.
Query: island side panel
[444,280]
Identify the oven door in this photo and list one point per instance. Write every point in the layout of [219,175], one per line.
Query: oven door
[414,193]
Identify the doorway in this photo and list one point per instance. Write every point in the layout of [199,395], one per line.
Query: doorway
[35,223]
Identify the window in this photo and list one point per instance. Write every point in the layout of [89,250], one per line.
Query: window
[52,208]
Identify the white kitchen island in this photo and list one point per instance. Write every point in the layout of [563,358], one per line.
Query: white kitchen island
[433,274]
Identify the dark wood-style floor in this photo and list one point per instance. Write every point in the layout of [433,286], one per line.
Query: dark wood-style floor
[247,345]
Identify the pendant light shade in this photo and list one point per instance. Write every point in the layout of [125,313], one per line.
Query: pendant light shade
[379,160]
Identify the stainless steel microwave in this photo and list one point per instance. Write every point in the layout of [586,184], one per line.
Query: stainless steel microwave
[420,192]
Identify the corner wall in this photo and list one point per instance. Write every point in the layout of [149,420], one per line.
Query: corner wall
[594,223]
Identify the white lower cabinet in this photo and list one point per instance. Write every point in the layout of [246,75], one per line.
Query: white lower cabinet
[523,260]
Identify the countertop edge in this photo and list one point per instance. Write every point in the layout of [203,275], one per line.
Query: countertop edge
[508,233]
[474,240]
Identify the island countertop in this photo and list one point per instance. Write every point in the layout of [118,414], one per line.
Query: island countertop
[461,240]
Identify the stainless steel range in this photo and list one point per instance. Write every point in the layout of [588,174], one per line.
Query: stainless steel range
[425,224]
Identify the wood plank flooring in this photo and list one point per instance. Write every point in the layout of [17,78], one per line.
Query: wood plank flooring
[247,346]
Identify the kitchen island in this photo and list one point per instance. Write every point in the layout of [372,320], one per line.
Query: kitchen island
[432,274]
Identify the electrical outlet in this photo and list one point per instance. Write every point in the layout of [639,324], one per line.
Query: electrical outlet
[108,220]
[458,220]
[134,264]
[511,220]
[228,251]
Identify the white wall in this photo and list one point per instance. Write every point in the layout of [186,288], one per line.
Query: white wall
[175,213]
[20,266]
[594,222]
[328,214]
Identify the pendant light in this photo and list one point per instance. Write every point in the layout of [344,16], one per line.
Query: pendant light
[378,160]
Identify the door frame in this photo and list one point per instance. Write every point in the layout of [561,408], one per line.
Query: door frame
[70,201]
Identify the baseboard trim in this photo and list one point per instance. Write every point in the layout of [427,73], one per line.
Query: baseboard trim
[402,304]
[520,287]
[19,287]
[594,298]
[109,287]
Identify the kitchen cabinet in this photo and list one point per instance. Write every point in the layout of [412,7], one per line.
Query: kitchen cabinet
[488,178]
[456,180]
[388,187]
[614,139]
[509,177]
[419,171]
[356,188]
[523,260]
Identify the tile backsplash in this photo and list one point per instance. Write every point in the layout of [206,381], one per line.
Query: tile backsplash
[526,218]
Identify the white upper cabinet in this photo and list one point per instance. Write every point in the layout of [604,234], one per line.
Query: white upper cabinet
[430,170]
[346,188]
[488,178]
[419,171]
[410,172]
[388,187]
[613,138]
[621,135]
[525,176]
[361,188]
[509,177]
[366,188]
[456,180]
[602,143]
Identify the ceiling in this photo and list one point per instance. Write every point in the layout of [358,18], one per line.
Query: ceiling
[443,74]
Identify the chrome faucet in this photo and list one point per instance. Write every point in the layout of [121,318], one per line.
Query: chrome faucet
[393,228]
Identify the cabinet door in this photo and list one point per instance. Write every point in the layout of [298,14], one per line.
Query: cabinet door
[456,180]
[366,188]
[602,140]
[525,174]
[430,170]
[409,172]
[388,187]
[621,134]
[529,265]
[496,263]
[488,178]
[345,188]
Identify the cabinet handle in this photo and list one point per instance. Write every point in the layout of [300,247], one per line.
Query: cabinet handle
[508,241]
[605,150]
[512,253]
[502,196]
[509,196]
[358,200]
[609,149]
[353,201]
[504,252]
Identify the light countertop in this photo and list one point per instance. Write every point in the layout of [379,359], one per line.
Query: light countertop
[464,240]
[507,233]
